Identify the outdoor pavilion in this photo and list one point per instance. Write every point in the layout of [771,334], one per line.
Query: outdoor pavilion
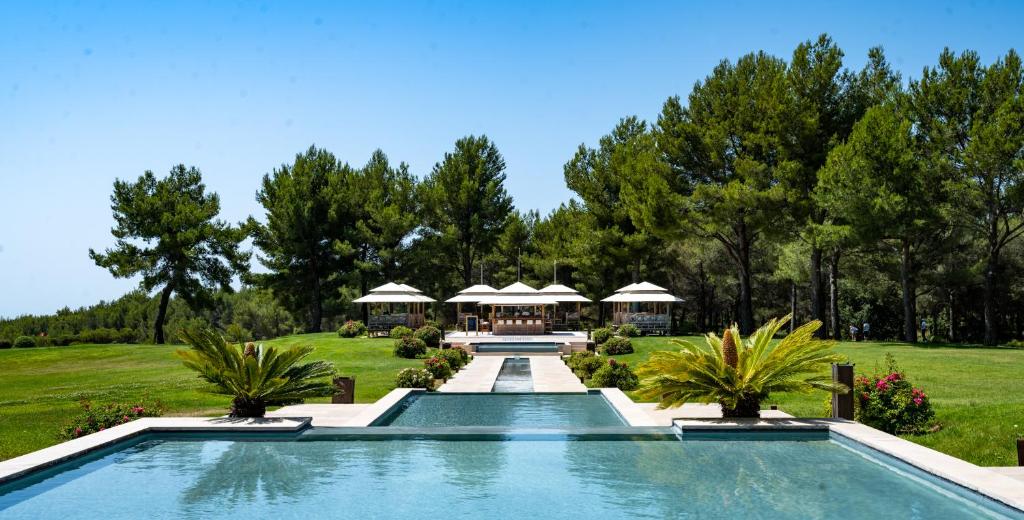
[562,316]
[383,300]
[519,310]
[644,305]
[467,305]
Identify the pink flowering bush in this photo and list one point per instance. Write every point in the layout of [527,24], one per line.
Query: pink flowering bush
[95,418]
[889,402]
[438,367]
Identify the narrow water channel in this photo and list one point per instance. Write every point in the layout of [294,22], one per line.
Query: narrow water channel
[514,376]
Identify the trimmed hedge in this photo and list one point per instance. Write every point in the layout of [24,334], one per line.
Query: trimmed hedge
[24,342]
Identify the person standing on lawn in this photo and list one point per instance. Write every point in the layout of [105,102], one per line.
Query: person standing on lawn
[865,330]
[924,330]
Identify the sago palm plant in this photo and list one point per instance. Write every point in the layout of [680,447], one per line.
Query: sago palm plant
[256,376]
[740,374]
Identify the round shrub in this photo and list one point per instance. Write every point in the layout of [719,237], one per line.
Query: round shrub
[236,333]
[414,378]
[601,335]
[584,364]
[24,342]
[889,402]
[617,345]
[400,332]
[615,374]
[352,329]
[628,330]
[456,357]
[438,367]
[5,344]
[430,335]
[409,347]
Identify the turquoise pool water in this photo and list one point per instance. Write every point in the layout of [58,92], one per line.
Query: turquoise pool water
[439,410]
[515,376]
[501,346]
[535,479]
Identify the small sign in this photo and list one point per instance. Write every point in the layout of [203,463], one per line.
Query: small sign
[472,324]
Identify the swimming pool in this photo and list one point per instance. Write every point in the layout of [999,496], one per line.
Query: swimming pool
[511,410]
[294,477]
[508,346]
[515,376]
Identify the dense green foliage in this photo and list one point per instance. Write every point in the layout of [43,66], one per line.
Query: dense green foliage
[777,184]
[184,248]
[456,357]
[601,335]
[584,364]
[352,329]
[409,347]
[614,374]
[617,345]
[24,342]
[399,332]
[429,334]
[255,376]
[438,367]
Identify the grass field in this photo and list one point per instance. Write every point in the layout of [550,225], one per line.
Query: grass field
[41,387]
[978,393]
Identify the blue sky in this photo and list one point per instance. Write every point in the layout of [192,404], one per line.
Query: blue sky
[93,91]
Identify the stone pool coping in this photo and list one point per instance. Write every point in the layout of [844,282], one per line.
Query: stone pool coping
[984,481]
[53,455]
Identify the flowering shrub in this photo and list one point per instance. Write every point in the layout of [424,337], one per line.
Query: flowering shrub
[584,364]
[615,374]
[430,335]
[456,357]
[410,347]
[889,402]
[438,367]
[98,418]
[414,378]
[352,329]
[617,345]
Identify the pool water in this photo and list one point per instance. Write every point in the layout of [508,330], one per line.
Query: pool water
[514,376]
[517,347]
[533,479]
[441,410]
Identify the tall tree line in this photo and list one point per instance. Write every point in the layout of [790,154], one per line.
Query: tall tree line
[777,184]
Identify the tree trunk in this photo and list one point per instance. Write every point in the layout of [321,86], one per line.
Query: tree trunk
[745,305]
[746,406]
[952,318]
[316,314]
[792,307]
[991,268]
[909,293]
[364,287]
[161,313]
[818,292]
[467,266]
[636,270]
[247,408]
[833,295]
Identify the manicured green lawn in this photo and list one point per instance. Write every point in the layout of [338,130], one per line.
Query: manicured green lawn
[40,388]
[977,393]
